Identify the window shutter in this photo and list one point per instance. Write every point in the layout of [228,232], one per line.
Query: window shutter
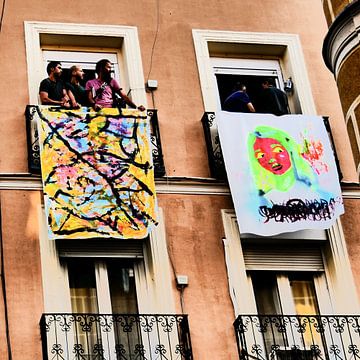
[101,248]
[283,258]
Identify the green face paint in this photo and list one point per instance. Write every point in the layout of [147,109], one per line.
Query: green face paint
[275,160]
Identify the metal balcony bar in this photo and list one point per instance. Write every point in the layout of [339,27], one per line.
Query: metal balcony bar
[115,337]
[216,160]
[34,148]
[295,337]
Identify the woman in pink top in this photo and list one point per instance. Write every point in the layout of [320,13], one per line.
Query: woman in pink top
[101,90]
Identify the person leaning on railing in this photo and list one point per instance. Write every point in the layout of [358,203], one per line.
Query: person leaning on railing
[52,90]
[102,91]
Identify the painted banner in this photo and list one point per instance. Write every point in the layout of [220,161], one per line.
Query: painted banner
[281,171]
[97,173]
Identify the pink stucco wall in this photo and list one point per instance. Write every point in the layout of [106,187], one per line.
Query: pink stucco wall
[193,222]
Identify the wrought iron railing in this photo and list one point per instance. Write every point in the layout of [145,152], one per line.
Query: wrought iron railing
[34,148]
[215,156]
[308,337]
[115,337]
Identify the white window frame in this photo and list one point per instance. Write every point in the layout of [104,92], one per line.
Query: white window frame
[339,279]
[254,67]
[130,50]
[293,57]
[152,276]
[86,59]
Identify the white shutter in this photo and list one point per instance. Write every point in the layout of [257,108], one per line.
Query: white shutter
[100,248]
[280,257]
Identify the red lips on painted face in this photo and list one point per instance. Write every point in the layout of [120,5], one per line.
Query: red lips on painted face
[272,156]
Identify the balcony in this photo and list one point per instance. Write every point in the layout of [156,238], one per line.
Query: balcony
[34,147]
[115,337]
[282,337]
[215,156]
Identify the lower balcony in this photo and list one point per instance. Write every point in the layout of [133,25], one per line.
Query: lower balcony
[281,337]
[115,337]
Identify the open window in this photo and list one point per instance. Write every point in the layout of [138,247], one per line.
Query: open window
[86,60]
[84,44]
[249,72]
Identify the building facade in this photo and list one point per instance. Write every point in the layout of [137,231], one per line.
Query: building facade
[195,262]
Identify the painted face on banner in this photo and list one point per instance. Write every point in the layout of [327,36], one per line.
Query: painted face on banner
[272,156]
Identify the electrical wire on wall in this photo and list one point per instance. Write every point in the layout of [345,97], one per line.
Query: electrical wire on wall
[2,14]
[180,288]
[153,49]
[155,37]
[3,287]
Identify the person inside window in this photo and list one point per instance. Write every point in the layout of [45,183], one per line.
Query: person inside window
[273,100]
[102,91]
[52,90]
[239,100]
[76,91]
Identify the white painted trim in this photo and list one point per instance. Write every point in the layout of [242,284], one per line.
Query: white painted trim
[131,52]
[186,186]
[294,56]
[102,287]
[160,269]
[55,281]
[240,289]
[341,284]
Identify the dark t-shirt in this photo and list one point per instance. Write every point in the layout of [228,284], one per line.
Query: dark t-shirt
[274,101]
[79,93]
[53,89]
[237,102]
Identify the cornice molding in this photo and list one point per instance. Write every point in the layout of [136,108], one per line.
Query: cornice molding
[343,37]
[172,185]
[169,185]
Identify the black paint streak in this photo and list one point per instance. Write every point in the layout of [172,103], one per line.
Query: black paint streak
[119,167]
[296,210]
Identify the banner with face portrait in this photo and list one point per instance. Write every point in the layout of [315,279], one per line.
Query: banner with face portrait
[281,171]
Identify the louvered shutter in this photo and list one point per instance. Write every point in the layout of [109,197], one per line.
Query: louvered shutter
[101,248]
[279,257]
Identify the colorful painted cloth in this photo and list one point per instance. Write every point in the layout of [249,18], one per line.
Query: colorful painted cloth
[97,173]
[281,172]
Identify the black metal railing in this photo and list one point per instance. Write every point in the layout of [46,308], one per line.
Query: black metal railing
[115,337]
[215,156]
[294,337]
[34,148]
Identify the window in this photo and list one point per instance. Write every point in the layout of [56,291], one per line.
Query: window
[295,264]
[291,293]
[107,276]
[250,72]
[105,286]
[102,284]
[77,38]
[285,48]
[87,60]
[271,288]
